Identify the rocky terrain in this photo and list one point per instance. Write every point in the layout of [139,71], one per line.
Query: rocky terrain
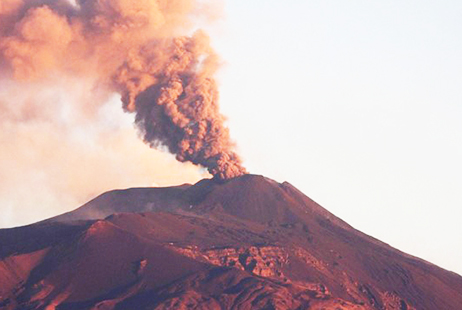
[246,243]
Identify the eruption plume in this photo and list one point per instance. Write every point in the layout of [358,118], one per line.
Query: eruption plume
[146,50]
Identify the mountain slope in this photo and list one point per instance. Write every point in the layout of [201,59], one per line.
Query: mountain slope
[247,243]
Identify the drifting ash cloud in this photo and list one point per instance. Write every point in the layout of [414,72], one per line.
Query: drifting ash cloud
[61,62]
[138,49]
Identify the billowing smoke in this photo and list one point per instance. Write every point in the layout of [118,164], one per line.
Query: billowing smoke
[146,50]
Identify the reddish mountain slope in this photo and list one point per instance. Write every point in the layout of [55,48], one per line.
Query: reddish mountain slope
[248,243]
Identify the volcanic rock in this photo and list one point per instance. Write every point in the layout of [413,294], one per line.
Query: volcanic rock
[244,243]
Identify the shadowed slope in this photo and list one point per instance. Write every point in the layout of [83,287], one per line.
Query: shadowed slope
[129,200]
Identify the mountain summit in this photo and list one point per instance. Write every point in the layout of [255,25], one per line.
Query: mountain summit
[244,243]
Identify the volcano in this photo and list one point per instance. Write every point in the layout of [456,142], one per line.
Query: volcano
[245,243]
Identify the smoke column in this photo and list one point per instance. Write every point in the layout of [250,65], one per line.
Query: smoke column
[147,50]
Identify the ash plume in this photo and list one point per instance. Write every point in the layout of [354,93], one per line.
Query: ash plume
[147,50]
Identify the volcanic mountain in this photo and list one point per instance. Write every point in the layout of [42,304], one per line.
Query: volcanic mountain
[245,243]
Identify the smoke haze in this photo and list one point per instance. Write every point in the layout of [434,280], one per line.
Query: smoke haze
[55,156]
[61,64]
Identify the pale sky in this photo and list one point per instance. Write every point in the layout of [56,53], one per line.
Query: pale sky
[356,103]
[359,105]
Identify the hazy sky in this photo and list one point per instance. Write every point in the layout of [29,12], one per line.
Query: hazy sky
[359,105]
[356,103]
